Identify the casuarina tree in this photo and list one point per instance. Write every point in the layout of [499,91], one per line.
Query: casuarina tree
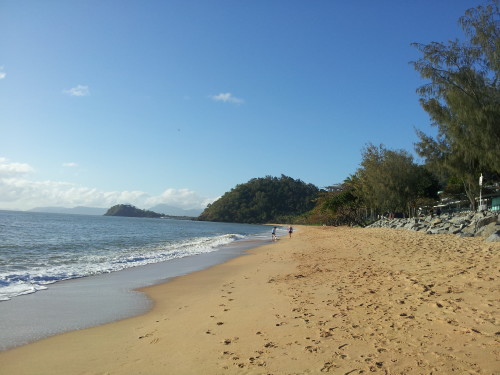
[462,98]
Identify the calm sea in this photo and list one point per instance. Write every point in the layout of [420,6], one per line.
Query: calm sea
[39,249]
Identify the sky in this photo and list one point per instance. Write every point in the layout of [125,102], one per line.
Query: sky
[146,102]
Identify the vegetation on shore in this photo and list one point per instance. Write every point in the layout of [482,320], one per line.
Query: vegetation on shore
[462,98]
[263,200]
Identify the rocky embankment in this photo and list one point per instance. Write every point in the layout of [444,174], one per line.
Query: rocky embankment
[465,224]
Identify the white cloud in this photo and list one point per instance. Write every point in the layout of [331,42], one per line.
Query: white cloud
[79,90]
[19,192]
[226,98]
[183,198]
[2,73]
[8,169]
[70,165]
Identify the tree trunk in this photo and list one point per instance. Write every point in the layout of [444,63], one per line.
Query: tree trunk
[469,191]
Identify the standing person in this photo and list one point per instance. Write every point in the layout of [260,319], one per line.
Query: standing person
[290,231]
[274,234]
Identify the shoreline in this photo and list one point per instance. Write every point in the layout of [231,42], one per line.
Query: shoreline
[339,300]
[85,302]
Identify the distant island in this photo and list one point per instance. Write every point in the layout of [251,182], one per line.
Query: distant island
[128,210]
[131,211]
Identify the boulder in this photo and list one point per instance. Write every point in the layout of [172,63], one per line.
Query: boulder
[488,230]
[485,221]
[470,224]
[494,237]
[460,220]
[436,221]
[479,215]
[454,230]
[471,228]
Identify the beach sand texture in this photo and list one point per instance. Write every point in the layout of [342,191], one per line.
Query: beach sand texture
[328,300]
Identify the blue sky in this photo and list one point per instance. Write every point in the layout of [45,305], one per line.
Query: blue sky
[147,102]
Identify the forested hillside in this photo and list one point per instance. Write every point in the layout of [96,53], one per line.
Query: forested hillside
[263,200]
[130,211]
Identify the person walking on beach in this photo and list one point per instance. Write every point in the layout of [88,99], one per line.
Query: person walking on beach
[274,234]
[290,231]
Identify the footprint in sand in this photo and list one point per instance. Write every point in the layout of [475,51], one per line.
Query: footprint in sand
[311,349]
[146,335]
[270,344]
[327,366]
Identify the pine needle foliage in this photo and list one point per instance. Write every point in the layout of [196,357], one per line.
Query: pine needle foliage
[462,98]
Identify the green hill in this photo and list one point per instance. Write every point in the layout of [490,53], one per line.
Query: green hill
[130,211]
[263,200]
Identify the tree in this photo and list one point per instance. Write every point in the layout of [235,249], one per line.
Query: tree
[463,99]
[263,200]
[389,180]
[341,202]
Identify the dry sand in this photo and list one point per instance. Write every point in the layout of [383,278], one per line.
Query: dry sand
[337,300]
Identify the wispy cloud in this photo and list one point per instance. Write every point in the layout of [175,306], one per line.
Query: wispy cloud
[226,97]
[70,165]
[19,191]
[2,73]
[8,169]
[78,90]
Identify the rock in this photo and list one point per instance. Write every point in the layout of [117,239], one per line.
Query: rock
[469,224]
[460,220]
[488,230]
[495,237]
[469,229]
[485,221]
[437,231]
[445,226]
[436,221]
[478,216]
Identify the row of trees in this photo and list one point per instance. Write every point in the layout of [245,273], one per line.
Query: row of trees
[462,98]
[389,181]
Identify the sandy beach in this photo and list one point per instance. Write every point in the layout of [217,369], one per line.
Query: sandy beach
[328,300]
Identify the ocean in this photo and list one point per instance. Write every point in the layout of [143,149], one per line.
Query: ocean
[60,272]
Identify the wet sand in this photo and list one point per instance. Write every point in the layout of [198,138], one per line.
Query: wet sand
[337,300]
[95,300]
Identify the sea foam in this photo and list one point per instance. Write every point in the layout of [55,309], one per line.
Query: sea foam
[36,278]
